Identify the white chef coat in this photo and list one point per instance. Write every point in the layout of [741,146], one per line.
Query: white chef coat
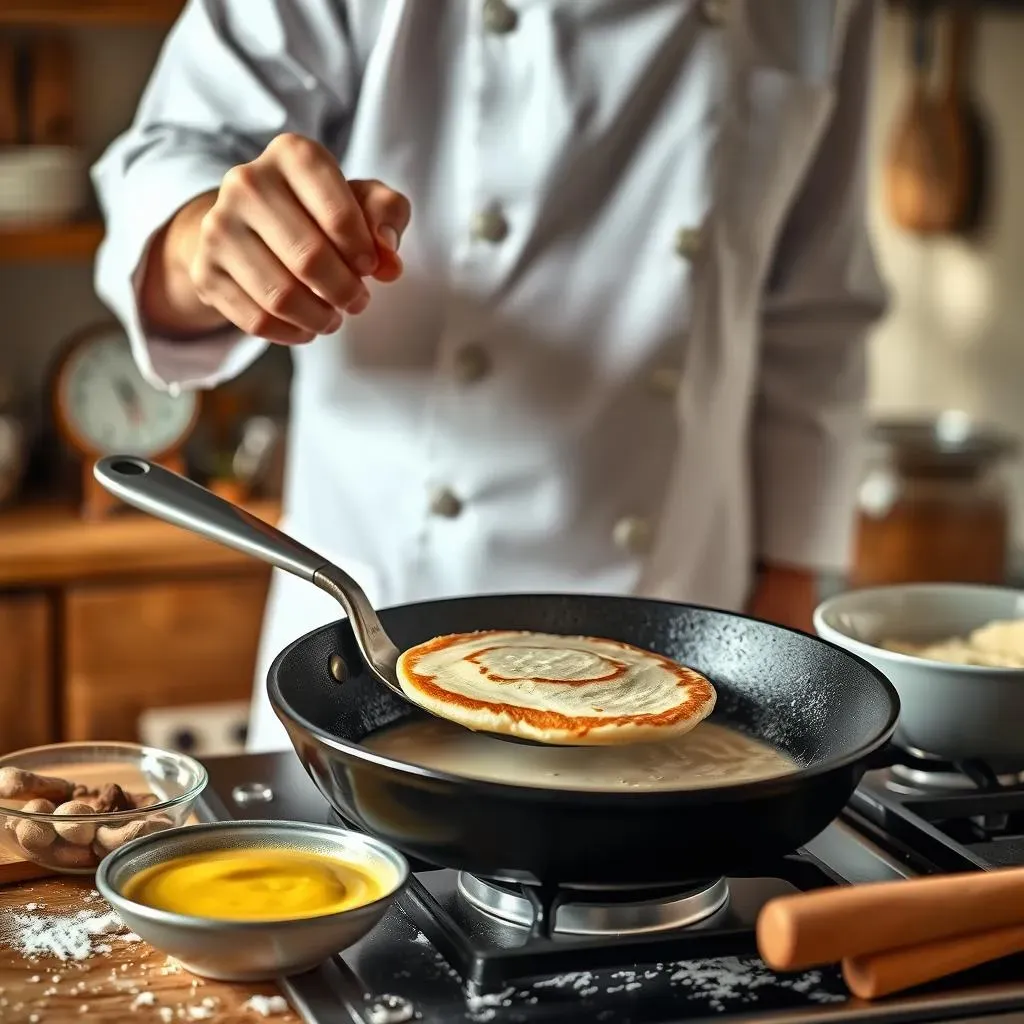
[627,351]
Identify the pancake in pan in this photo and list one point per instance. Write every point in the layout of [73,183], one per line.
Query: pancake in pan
[561,690]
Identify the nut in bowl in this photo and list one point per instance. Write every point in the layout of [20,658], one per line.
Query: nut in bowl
[927,638]
[252,900]
[67,805]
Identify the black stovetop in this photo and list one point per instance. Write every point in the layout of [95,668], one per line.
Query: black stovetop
[436,959]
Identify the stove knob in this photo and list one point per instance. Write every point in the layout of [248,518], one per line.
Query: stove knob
[390,1010]
[249,793]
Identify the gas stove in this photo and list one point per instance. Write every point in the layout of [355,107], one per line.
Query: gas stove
[456,948]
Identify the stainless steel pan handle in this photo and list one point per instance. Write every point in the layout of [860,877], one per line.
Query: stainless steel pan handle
[183,503]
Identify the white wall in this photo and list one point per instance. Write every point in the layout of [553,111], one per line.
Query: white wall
[954,335]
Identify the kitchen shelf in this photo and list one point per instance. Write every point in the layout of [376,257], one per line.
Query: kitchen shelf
[59,243]
[48,544]
[89,12]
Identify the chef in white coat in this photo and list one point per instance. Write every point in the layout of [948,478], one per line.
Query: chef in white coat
[577,290]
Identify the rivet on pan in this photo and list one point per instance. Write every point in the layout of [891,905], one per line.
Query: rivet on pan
[390,1010]
[336,666]
[252,793]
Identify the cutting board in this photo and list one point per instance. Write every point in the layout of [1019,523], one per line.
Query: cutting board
[13,869]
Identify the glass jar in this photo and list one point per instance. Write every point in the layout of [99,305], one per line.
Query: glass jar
[933,505]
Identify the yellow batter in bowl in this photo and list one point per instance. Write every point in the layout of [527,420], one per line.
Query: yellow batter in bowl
[264,884]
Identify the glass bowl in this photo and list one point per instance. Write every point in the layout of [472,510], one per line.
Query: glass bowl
[133,791]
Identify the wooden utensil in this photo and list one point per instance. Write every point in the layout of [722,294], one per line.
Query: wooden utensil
[825,927]
[880,974]
[922,182]
[965,124]
[51,91]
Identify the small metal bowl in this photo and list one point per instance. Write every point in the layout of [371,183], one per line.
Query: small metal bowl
[250,950]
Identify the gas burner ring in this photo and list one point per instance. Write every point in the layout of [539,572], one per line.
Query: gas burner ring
[596,912]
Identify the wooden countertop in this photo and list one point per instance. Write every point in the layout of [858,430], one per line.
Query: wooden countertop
[49,544]
[123,979]
[131,982]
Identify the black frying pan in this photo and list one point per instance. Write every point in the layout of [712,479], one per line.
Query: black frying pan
[826,708]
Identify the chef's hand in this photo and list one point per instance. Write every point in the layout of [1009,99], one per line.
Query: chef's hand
[279,250]
[785,595]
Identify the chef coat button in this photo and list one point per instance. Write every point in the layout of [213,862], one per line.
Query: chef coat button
[664,380]
[499,18]
[490,225]
[713,11]
[688,242]
[472,363]
[445,503]
[632,534]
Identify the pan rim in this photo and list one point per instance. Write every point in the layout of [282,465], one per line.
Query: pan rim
[736,791]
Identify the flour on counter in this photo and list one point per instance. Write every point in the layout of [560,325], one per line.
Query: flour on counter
[65,936]
[267,1006]
[730,980]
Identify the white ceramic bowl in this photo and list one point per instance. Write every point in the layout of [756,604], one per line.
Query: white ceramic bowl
[953,712]
[41,185]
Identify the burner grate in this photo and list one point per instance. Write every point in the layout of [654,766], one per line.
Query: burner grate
[956,829]
[489,953]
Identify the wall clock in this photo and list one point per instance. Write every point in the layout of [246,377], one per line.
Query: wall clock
[104,406]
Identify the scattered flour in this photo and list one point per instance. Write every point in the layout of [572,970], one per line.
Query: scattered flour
[64,936]
[143,999]
[721,984]
[484,1007]
[729,979]
[267,1006]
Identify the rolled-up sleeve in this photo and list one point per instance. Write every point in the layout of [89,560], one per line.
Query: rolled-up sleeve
[823,296]
[232,75]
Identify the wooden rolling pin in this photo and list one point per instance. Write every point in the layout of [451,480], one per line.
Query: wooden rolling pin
[880,974]
[831,925]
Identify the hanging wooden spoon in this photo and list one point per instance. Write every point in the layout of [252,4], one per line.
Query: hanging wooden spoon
[964,122]
[921,180]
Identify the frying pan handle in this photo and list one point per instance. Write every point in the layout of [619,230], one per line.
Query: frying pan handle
[181,502]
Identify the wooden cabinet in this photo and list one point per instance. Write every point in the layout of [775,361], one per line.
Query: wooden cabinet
[153,645]
[100,621]
[27,699]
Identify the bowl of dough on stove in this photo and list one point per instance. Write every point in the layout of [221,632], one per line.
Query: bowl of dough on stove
[66,806]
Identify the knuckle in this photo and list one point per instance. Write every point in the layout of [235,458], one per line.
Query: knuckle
[203,277]
[239,180]
[213,228]
[259,323]
[283,143]
[346,290]
[309,256]
[298,149]
[341,221]
[281,295]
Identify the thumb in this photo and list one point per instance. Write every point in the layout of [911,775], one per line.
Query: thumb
[387,214]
